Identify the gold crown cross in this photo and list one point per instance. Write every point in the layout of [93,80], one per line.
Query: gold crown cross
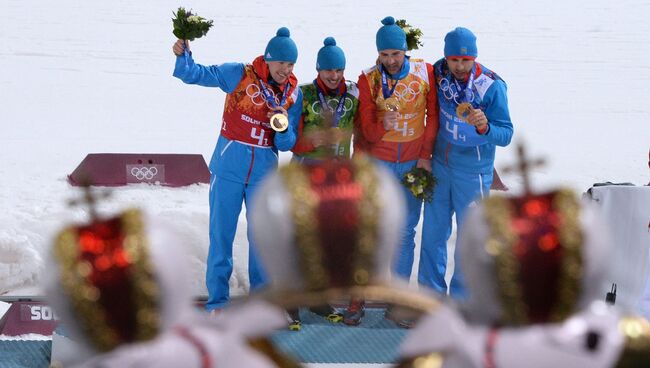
[524,166]
[89,198]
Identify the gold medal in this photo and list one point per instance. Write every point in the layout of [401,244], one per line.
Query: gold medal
[463,110]
[391,104]
[279,122]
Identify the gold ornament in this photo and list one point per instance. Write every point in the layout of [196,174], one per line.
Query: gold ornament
[636,349]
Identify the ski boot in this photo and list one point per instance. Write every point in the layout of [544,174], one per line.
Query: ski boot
[328,312]
[355,311]
[405,323]
[295,324]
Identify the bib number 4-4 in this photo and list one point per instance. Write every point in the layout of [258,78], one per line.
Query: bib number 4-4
[454,131]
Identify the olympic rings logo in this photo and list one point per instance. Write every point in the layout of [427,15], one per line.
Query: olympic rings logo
[144,173]
[407,93]
[333,104]
[450,91]
[257,97]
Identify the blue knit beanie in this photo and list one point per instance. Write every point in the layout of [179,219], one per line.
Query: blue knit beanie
[281,47]
[460,42]
[330,56]
[390,36]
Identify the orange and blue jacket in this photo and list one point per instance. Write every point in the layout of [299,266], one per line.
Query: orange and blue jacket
[247,148]
[415,132]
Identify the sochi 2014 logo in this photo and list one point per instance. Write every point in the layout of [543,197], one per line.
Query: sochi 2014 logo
[37,312]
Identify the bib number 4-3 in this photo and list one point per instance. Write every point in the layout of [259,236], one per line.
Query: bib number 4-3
[404,129]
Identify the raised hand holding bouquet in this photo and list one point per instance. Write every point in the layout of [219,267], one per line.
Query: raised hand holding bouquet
[412,35]
[188,26]
[420,183]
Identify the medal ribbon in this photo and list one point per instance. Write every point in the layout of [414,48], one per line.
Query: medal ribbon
[384,84]
[466,93]
[338,113]
[270,97]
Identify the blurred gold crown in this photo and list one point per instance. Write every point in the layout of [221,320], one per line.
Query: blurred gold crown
[106,273]
[328,231]
[536,242]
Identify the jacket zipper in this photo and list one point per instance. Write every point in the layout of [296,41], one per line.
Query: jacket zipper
[399,152]
[447,154]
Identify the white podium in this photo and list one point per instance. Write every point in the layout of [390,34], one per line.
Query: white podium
[626,209]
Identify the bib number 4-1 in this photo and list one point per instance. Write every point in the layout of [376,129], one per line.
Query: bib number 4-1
[261,141]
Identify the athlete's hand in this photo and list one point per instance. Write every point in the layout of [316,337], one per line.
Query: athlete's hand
[317,137]
[424,164]
[277,110]
[179,47]
[390,118]
[338,134]
[477,118]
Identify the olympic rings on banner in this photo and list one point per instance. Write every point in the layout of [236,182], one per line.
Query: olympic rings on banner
[144,173]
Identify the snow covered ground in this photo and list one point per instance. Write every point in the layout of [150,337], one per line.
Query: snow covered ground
[92,77]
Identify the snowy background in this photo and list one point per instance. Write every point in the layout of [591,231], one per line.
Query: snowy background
[95,77]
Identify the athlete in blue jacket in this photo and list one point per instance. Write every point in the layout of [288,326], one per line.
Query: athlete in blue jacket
[247,148]
[474,119]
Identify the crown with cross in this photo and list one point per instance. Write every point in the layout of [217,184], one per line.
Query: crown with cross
[525,256]
[328,230]
[89,198]
[110,281]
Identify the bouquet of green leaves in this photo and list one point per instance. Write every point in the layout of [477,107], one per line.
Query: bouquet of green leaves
[412,35]
[420,183]
[188,26]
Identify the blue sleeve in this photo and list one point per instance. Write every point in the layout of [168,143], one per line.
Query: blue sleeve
[225,76]
[498,115]
[286,140]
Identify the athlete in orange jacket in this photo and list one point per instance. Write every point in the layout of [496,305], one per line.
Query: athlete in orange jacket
[403,138]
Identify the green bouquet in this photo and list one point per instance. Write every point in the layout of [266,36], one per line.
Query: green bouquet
[188,26]
[412,35]
[420,183]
